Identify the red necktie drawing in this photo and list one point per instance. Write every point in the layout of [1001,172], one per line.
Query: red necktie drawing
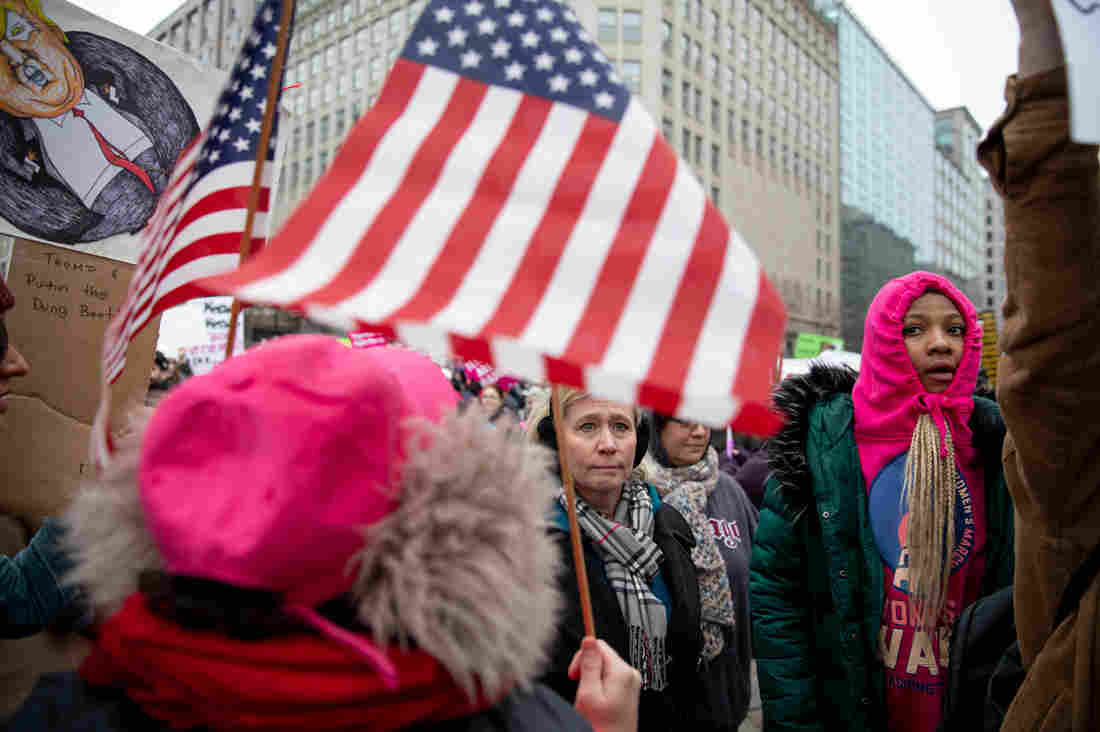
[113,154]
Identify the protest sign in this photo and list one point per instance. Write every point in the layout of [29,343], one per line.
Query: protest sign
[1079,26]
[64,301]
[197,331]
[86,173]
[809,345]
[991,351]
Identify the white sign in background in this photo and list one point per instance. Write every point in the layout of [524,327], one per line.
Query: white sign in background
[200,328]
[1079,25]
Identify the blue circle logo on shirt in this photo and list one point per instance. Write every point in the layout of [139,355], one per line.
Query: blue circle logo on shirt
[889,516]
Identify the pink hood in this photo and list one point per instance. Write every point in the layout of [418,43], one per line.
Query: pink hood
[888,395]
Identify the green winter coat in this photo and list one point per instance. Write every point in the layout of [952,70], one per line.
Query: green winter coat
[817,578]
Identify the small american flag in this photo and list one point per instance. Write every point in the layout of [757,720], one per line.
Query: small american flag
[196,229]
[507,201]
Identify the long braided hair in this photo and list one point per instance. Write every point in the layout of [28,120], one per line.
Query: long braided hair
[928,492]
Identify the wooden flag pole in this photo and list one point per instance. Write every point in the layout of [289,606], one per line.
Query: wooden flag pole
[574,529]
[273,79]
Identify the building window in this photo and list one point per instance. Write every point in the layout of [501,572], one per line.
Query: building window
[609,24]
[989,285]
[715,159]
[315,64]
[324,132]
[685,97]
[989,302]
[666,36]
[714,194]
[323,162]
[685,52]
[357,78]
[698,149]
[699,104]
[666,127]
[716,115]
[666,85]
[632,26]
[347,12]
[715,26]
[697,52]
[731,126]
[397,19]
[685,143]
[632,75]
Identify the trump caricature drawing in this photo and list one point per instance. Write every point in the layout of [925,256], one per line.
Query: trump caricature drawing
[89,129]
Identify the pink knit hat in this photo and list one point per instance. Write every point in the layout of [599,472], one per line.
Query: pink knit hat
[263,473]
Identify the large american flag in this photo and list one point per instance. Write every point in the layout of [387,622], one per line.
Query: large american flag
[197,227]
[507,201]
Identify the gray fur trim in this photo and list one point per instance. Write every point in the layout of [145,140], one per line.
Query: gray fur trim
[465,567]
[795,398]
[107,536]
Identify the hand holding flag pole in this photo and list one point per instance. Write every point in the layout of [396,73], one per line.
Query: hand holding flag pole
[274,79]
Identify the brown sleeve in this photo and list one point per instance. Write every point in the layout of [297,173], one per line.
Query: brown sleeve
[1049,375]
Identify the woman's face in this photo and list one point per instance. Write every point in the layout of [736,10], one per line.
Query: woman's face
[934,333]
[685,442]
[598,445]
[490,399]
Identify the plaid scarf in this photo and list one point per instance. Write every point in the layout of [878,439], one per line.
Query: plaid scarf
[686,489]
[631,559]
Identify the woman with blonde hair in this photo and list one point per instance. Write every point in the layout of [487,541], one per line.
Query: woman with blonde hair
[886,515]
[637,554]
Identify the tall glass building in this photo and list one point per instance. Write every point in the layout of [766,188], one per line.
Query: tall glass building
[887,168]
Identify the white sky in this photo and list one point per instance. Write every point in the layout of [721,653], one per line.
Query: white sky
[957,52]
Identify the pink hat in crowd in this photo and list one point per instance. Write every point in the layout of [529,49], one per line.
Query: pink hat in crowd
[263,473]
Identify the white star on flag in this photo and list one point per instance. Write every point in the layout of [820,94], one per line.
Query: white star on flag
[568,15]
[224,134]
[503,3]
[573,55]
[262,106]
[514,71]
[269,50]
[444,15]
[268,16]
[427,47]
[247,93]
[589,77]
[544,14]
[235,114]
[530,39]
[501,48]
[214,155]
[253,125]
[241,144]
[516,19]
[471,59]
[474,8]
[258,72]
[456,37]
[559,35]
[559,83]
[604,100]
[544,62]
[486,27]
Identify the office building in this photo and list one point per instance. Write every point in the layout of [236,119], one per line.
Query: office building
[887,185]
[993,248]
[956,247]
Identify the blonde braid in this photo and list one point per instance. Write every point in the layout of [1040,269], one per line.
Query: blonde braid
[929,496]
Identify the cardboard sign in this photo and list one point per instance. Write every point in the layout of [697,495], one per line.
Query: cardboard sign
[64,301]
[1079,27]
[991,351]
[87,172]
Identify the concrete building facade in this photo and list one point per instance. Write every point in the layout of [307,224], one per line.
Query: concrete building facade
[746,91]
[956,246]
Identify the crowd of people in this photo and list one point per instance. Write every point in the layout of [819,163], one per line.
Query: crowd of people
[317,537]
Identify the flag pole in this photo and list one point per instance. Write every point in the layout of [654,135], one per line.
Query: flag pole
[574,529]
[273,80]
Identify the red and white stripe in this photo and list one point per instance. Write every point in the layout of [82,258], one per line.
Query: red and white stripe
[548,242]
[194,233]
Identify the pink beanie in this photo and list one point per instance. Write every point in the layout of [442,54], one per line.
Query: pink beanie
[263,473]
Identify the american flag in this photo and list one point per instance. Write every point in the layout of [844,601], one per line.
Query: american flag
[196,229]
[506,200]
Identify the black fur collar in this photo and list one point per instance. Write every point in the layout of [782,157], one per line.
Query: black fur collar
[795,398]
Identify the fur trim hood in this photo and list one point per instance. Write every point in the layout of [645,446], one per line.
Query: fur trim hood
[463,567]
[795,398]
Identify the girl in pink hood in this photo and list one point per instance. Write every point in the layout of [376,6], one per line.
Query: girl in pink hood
[886,514]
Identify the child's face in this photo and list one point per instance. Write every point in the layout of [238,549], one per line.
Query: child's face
[934,333]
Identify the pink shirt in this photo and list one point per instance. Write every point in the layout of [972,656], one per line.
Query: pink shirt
[888,399]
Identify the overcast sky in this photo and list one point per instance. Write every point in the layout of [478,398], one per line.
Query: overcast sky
[957,52]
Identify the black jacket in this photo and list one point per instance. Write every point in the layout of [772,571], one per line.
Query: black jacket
[61,701]
[664,710]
